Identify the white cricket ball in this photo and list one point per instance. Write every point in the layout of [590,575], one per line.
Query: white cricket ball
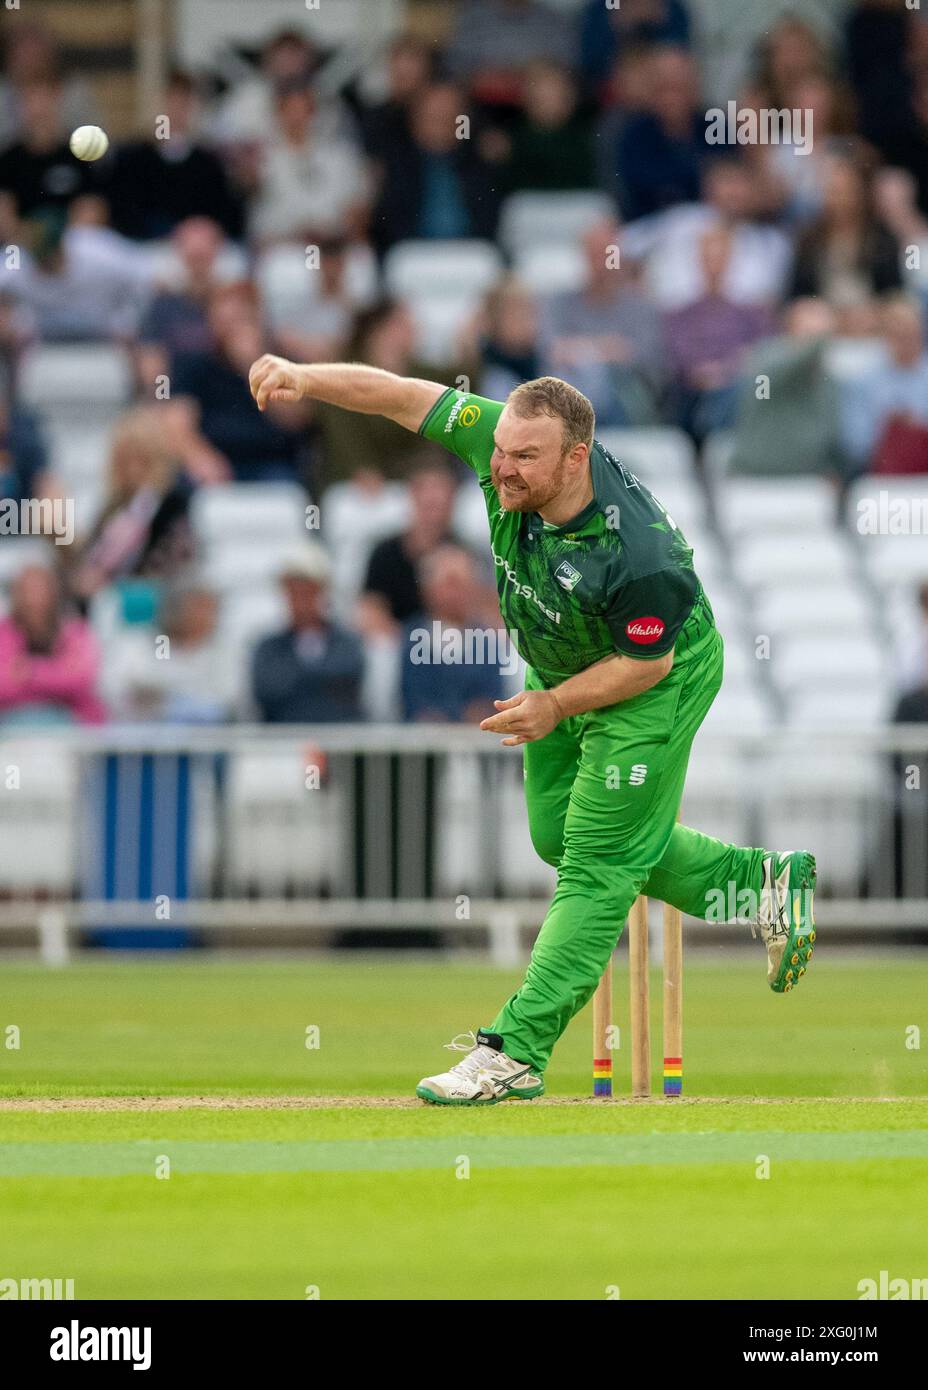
[89,142]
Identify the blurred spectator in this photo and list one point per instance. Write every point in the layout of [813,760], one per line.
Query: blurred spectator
[177,318]
[884,414]
[142,528]
[551,142]
[383,336]
[707,342]
[158,182]
[311,673]
[39,172]
[798,170]
[492,40]
[912,667]
[434,185]
[877,43]
[394,565]
[23,454]
[790,52]
[82,281]
[317,326]
[608,32]
[32,54]
[246,444]
[410,69]
[668,242]
[49,659]
[908,146]
[437,683]
[606,338]
[245,116]
[846,256]
[788,415]
[661,150]
[310,182]
[188,679]
[507,338]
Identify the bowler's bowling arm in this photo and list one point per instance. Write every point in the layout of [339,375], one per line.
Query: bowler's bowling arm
[351,385]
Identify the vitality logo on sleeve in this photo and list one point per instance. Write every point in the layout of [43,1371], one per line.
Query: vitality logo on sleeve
[645,631]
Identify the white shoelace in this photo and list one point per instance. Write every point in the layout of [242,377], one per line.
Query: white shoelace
[478,1058]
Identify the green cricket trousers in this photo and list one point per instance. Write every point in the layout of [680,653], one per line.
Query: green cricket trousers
[603,791]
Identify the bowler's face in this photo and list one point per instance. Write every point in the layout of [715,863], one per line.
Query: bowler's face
[528,462]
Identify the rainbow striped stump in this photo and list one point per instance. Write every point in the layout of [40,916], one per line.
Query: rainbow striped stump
[673,1076]
[602,1076]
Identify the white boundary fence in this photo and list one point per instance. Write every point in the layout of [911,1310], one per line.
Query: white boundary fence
[334,828]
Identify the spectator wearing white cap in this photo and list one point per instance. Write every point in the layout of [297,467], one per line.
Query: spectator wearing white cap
[311,672]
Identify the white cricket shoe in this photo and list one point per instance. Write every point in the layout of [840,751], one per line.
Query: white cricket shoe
[484,1077]
[786,918]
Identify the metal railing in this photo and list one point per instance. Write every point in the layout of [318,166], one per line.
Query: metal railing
[339,828]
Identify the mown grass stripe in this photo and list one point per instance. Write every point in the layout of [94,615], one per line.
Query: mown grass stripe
[116,1159]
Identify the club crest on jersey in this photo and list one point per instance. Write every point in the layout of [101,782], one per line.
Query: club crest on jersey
[644,631]
[567,576]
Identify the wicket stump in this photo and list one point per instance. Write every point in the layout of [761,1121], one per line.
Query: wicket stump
[639,1008]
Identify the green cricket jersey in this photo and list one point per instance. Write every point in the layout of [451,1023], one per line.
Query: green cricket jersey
[617,577]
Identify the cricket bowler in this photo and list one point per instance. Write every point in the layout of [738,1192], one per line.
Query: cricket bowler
[597,584]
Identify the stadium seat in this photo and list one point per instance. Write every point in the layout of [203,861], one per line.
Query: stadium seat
[545,269]
[282,837]
[547,219]
[714,799]
[16,552]
[442,284]
[826,660]
[354,520]
[236,515]
[789,607]
[812,558]
[850,359]
[91,377]
[749,505]
[825,801]
[865,706]
[657,455]
[37,820]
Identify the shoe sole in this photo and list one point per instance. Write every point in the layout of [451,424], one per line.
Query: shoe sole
[425,1094]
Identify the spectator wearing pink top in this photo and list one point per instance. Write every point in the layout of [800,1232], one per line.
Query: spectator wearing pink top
[49,659]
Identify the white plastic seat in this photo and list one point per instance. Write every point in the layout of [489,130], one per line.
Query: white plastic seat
[828,607]
[37,820]
[815,558]
[898,562]
[16,552]
[281,835]
[531,219]
[657,455]
[557,269]
[89,376]
[850,359]
[745,709]
[862,707]
[435,269]
[354,520]
[825,802]
[235,516]
[713,799]
[798,505]
[824,661]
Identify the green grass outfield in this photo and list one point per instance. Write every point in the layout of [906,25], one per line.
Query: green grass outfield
[378,1200]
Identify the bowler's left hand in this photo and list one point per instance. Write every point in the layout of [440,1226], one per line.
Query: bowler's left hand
[527,716]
